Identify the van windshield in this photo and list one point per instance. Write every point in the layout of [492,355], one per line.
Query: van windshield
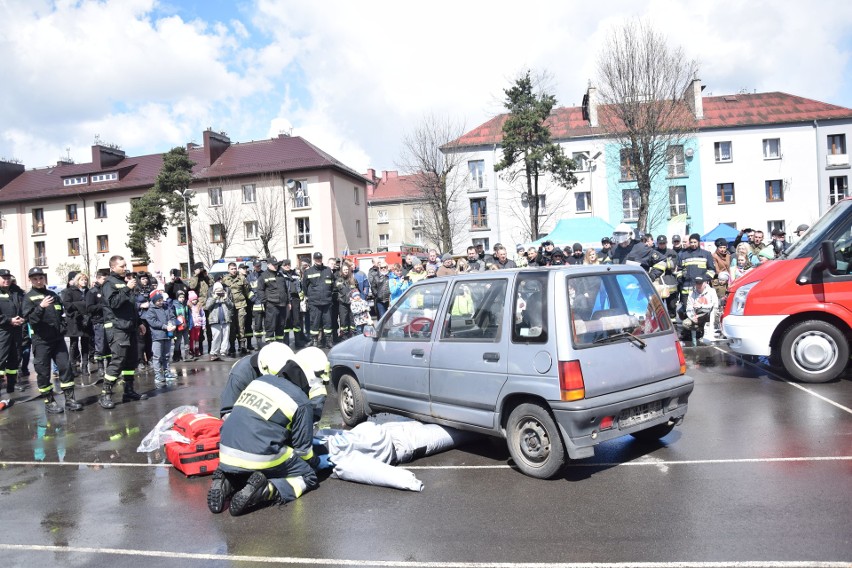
[604,306]
[809,243]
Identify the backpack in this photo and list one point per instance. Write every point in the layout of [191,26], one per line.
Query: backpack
[201,455]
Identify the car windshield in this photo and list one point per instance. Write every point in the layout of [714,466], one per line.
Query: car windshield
[811,240]
[614,306]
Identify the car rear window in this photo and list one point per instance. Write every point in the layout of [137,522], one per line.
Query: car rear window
[608,304]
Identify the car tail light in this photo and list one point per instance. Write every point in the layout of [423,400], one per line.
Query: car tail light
[571,382]
[606,423]
[680,358]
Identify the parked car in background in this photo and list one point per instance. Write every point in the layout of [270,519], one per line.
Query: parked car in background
[554,360]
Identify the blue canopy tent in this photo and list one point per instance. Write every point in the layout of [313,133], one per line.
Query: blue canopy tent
[721,230]
[588,231]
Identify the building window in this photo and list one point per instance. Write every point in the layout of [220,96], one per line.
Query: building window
[303,231]
[581,160]
[181,234]
[73,247]
[838,188]
[249,193]
[630,204]
[477,173]
[71,212]
[627,172]
[583,200]
[214,195]
[384,239]
[358,228]
[100,210]
[418,237]
[478,214]
[40,250]
[675,161]
[217,233]
[774,190]
[300,195]
[677,200]
[382,216]
[836,144]
[103,243]
[772,225]
[251,230]
[79,180]
[725,193]
[38,221]
[357,191]
[2,253]
[417,217]
[723,152]
[542,205]
[771,148]
[110,176]
[184,270]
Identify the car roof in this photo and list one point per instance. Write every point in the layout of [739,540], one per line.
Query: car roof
[570,270]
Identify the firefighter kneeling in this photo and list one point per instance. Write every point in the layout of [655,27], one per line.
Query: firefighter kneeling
[266,453]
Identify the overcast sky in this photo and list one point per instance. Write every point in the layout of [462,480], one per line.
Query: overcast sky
[353,77]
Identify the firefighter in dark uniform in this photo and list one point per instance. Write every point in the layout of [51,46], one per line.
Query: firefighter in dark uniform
[121,329]
[43,309]
[11,330]
[692,261]
[318,286]
[266,450]
[292,316]
[94,307]
[272,285]
[256,299]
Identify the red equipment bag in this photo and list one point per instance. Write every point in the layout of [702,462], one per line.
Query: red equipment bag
[198,426]
[199,457]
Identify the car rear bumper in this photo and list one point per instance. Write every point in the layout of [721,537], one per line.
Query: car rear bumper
[580,421]
[750,335]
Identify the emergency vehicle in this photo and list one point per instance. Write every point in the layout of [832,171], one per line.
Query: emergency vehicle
[365,260]
[797,309]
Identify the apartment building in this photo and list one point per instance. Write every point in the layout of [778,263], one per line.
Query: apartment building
[396,212]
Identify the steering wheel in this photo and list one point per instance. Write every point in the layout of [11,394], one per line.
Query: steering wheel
[420,327]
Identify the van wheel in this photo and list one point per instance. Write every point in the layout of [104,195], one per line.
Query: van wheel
[654,433]
[534,441]
[350,400]
[814,351]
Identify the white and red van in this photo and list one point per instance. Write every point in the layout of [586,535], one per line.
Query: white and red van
[797,309]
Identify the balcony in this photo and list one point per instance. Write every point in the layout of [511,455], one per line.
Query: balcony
[479,223]
[837,160]
[40,261]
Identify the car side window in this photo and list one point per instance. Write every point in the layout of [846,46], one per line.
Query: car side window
[476,310]
[843,251]
[530,309]
[412,317]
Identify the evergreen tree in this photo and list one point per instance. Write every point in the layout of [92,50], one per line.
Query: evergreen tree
[527,143]
[162,205]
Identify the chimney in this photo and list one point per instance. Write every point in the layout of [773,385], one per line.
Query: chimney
[388,175]
[692,96]
[590,106]
[104,157]
[191,146]
[9,171]
[215,145]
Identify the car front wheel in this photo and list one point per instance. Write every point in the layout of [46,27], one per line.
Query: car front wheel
[814,351]
[350,400]
[534,441]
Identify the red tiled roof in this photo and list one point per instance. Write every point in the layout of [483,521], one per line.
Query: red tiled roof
[282,154]
[393,187]
[723,111]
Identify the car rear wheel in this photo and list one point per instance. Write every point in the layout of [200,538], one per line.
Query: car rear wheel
[534,441]
[350,400]
[814,351]
[654,433]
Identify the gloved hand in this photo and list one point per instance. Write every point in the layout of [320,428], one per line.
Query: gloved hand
[324,462]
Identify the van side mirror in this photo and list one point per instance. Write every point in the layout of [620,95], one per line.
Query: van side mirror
[370,331]
[827,259]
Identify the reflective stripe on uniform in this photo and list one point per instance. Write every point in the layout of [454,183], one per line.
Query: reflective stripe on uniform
[264,399]
[317,391]
[308,456]
[11,372]
[110,378]
[108,325]
[298,484]
[245,460]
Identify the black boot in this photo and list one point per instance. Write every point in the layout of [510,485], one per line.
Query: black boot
[105,399]
[10,383]
[286,340]
[50,404]
[70,402]
[257,491]
[220,491]
[326,341]
[130,393]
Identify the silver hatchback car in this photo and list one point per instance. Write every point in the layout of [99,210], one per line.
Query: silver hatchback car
[554,360]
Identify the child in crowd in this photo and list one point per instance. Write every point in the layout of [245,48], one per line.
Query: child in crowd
[162,325]
[197,325]
[360,311]
[180,312]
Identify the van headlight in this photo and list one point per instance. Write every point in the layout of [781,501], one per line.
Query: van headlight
[738,307]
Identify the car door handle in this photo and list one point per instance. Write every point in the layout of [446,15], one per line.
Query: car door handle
[491,357]
[418,352]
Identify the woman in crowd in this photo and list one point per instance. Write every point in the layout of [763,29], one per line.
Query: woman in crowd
[591,257]
[345,284]
[74,298]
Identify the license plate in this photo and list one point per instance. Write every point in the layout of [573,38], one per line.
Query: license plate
[640,414]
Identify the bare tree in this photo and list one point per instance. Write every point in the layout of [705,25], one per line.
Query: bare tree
[440,177]
[269,211]
[552,206]
[223,223]
[641,82]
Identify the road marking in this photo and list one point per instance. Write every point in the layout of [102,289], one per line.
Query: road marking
[789,382]
[642,462]
[415,564]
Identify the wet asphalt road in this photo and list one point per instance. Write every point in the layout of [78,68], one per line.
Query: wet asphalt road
[760,472]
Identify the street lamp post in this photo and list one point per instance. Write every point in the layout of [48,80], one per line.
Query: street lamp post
[186,194]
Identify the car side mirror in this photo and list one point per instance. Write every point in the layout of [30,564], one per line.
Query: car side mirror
[827,259]
[370,331]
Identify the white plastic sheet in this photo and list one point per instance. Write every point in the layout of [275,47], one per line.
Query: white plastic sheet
[163,433]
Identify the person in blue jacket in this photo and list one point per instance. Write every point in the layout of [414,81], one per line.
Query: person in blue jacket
[162,325]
